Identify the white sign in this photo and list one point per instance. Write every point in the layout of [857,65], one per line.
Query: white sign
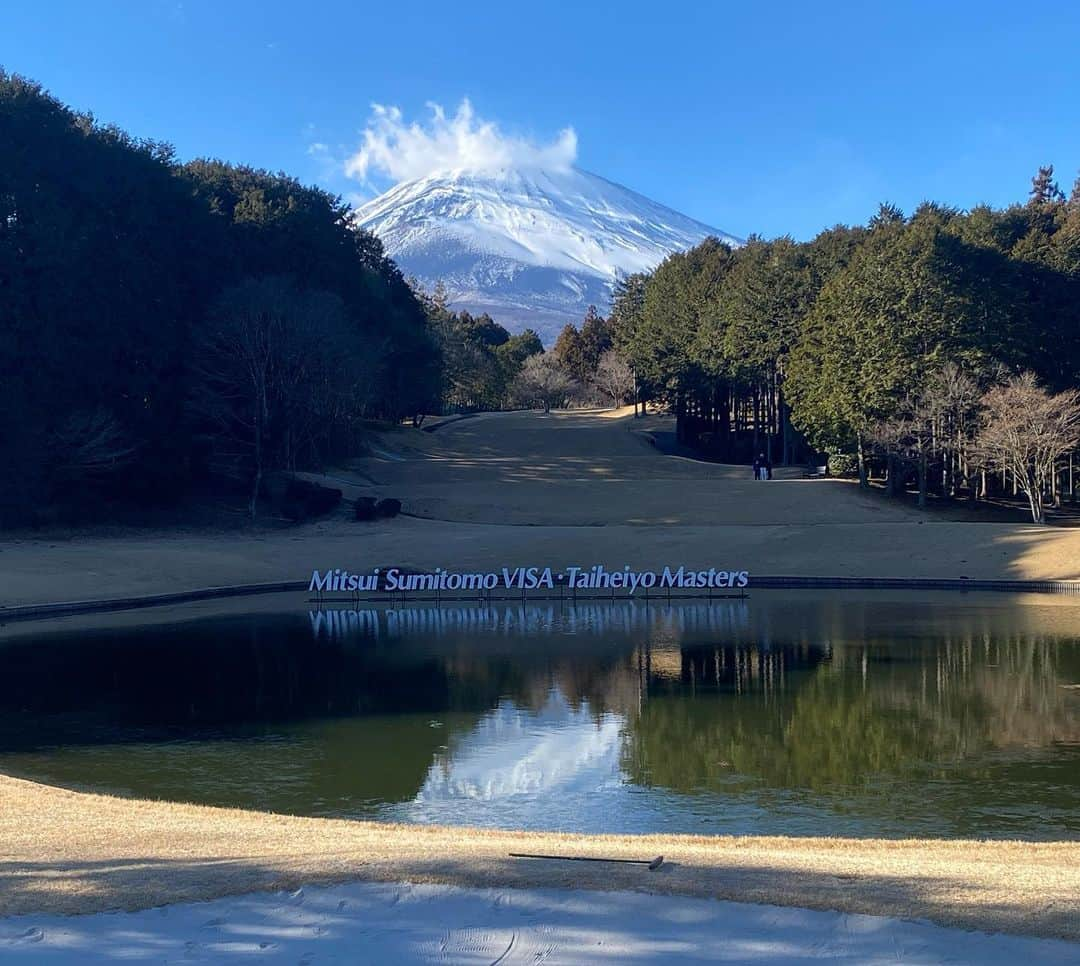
[527,578]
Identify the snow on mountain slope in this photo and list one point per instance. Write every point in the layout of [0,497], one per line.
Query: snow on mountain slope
[532,247]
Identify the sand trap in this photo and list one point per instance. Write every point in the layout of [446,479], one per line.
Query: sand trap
[394,923]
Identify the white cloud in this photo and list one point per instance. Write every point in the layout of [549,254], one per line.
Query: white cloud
[402,151]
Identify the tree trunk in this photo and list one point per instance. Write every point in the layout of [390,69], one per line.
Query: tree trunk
[725,419]
[922,479]
[1037,513]
[785,428]
[255,491]
[863,481]
[257,483]
[262,417]
[757,421]
[1035,498]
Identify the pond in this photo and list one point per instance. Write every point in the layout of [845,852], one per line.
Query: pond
[793,714]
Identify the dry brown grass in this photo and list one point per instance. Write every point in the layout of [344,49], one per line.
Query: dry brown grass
[568,489]
[70,852]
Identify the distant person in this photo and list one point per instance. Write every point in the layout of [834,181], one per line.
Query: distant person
[757,468]
[767,467]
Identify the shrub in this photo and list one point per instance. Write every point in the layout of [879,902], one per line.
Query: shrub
[843,464]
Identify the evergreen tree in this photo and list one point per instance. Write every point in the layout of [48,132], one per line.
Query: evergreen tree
[670,346]
[911,300]
[627,303]
[515,350]
[595,340]
[1044,189]
[569,353]
[887,215]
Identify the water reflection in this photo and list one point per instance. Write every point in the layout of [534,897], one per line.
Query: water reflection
[553,751]
[773,715]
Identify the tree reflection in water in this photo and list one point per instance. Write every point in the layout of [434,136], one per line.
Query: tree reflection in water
[800,715]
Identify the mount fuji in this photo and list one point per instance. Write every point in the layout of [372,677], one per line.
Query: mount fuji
[534,248]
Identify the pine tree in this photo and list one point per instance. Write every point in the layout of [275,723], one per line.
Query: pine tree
[887,214]
[569,353]
[626,307]
[1044,189]
[595,340]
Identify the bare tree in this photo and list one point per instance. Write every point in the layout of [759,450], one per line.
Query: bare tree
[1025,431]
[888,438]
[543,382]
[933,429]
[90,445]
[906,439]
[951,399]
[278,369]
[614,377]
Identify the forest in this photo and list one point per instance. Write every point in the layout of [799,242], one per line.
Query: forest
[171,326]
[939,351]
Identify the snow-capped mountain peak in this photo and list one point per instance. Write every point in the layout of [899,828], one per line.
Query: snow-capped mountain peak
[532,247]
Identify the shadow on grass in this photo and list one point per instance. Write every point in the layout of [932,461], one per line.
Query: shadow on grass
[69,888]
[429,923]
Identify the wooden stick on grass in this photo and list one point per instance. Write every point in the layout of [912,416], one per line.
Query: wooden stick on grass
[651,863]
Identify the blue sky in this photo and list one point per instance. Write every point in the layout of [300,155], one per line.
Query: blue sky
[772,118]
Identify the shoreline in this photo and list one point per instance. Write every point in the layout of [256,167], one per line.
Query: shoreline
[67,852]
[46,610]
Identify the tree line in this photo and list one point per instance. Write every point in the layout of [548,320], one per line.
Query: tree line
[940,348]
[583,368]
[482,361]
[165,324]
[485,367]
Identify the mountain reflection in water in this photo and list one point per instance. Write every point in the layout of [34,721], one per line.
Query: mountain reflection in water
[556,750]
[774,715]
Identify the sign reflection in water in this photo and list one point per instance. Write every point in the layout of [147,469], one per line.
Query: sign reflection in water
[793,714]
